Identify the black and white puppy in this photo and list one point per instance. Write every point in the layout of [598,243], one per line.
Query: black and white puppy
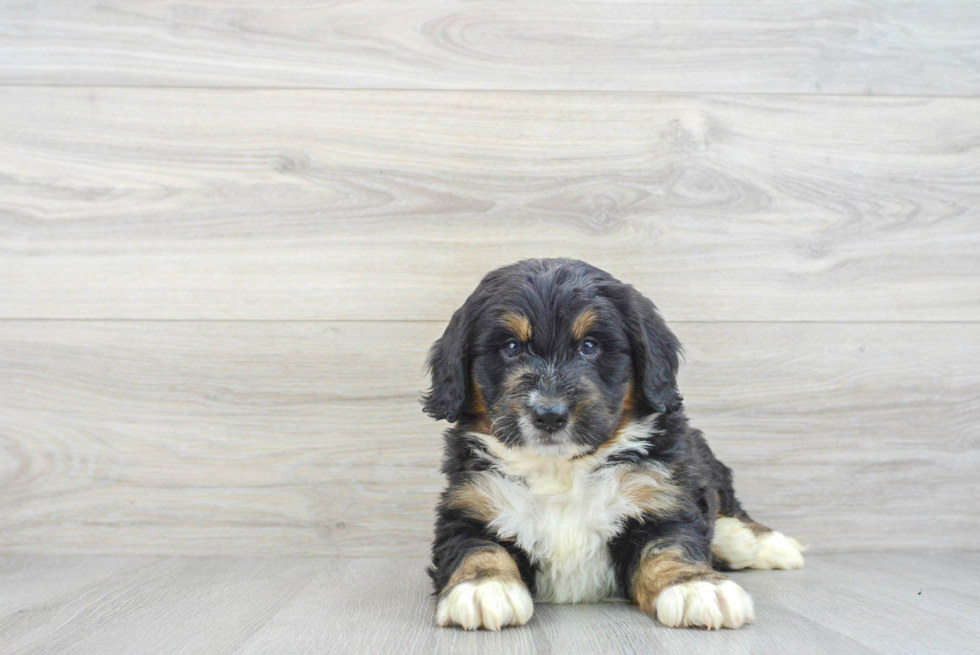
[573,474]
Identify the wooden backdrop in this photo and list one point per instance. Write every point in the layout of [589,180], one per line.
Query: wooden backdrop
[229,231]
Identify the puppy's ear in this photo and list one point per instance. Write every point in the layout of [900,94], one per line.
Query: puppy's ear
[448,363]
[656,353]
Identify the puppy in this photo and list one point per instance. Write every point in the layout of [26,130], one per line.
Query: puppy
[573,475]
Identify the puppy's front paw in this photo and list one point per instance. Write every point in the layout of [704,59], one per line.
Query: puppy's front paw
[711,605]
[489,603]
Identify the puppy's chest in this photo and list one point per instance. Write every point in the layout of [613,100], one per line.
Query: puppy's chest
[564,522]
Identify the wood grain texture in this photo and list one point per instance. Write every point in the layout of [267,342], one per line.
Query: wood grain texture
[838,604]
[833,46]
[204,204]
[296,438]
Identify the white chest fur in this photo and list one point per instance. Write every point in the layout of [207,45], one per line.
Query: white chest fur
[564,525]
[563,512]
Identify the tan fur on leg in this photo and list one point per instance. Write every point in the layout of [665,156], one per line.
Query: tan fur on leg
[485,591]
[681,593]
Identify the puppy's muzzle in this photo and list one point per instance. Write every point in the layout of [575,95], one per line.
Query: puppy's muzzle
[549,417]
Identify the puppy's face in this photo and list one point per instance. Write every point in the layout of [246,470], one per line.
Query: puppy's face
[552,355]
[553,370]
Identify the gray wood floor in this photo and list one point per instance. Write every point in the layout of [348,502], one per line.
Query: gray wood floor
[911,602]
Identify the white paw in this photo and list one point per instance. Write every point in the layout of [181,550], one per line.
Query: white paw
[490,603]
[704,604]
[777,551]
[736,544]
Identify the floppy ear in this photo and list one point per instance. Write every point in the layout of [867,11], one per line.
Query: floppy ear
[656,353]
[448,363]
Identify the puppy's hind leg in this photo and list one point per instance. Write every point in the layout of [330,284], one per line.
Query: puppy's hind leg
[741,543]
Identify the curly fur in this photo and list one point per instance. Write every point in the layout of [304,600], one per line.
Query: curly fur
[622,498]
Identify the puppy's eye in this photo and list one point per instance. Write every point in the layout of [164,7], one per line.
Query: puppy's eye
[588,348]
[513,348]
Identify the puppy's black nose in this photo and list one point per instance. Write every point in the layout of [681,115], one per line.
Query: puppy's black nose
[550,417]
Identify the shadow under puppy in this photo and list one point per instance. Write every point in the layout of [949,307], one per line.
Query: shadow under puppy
[573,474]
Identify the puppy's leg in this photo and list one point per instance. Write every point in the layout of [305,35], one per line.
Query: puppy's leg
[484,591]
[481,582]
[741,543]
[663,563]
[684,592]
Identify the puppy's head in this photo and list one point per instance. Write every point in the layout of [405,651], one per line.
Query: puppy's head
[553,354]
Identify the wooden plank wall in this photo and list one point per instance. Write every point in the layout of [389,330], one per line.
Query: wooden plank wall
[230,230]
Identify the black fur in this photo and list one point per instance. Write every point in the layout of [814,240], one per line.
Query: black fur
[477,385]
[448,363]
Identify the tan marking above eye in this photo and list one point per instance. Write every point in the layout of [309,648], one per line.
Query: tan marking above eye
[518,324]
[583,323]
